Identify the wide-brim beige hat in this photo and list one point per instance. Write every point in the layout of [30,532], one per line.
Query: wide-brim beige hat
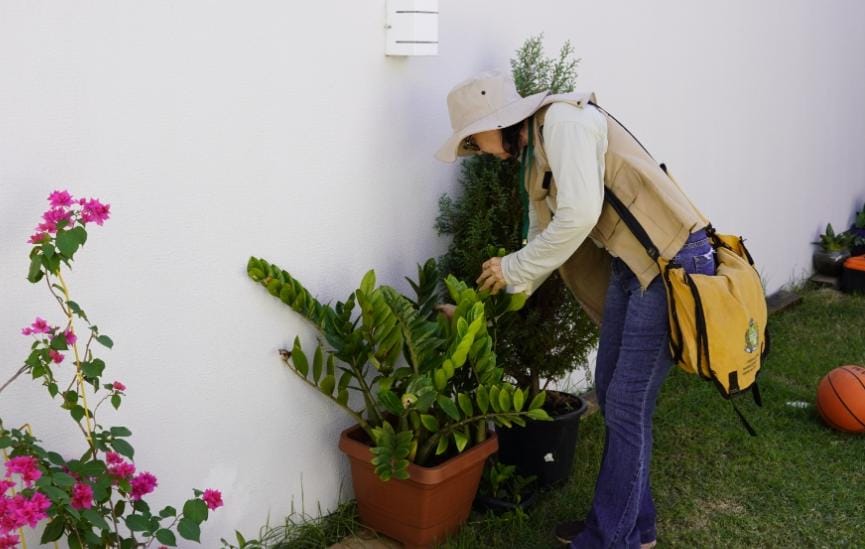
[488,101]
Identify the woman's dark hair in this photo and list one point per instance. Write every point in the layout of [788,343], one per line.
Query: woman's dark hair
[511,139]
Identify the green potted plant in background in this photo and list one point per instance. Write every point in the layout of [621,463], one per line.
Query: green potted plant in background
[857,233]
[833,249]
[428,386]
[551,335]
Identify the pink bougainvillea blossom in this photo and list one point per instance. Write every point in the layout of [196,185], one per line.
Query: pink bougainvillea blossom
[60,198]
[213,499]
[82,496]
[52,219]
[39,326]
[143,484]
[119,386]
[37,238]
[56,357]
[70,336]
[19,511]
[26,466]
[95,211]
[9,541]
[118,468]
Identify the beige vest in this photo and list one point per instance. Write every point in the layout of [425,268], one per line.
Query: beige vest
[654,197]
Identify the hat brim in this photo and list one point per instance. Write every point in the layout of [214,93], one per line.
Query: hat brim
[508,115]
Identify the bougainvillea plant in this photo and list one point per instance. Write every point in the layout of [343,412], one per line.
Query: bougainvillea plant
[97,497]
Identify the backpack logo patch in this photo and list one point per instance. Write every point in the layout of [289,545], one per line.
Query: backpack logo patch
[751,337]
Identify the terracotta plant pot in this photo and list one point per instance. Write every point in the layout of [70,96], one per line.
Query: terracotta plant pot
[427,507]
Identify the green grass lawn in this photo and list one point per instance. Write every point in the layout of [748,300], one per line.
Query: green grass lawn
[797,484]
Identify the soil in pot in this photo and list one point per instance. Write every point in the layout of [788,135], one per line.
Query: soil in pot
[545,449]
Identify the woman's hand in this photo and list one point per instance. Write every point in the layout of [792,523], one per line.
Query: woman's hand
[491,277]
[446,309]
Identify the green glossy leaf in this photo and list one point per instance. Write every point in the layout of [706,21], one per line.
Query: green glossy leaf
[538,401]
[63,480]
[67,243]
[298,359]
[342,397]
[539,414]
[195,510]
[327,384]
[430,423]
[121,432]
[168,511]
[189,530]
[442,445]
[461,440]
[35,273]
[93,369]
[166,537]
[76,309]
[505,400]
[483,399]
[52,531]
[465,404]
[122,447]
[115,401]
[440,379]
[447,405]
[391,402]
[95,519]
[519,400]
[105,341]
[516,301]
[317,362]
[137,523]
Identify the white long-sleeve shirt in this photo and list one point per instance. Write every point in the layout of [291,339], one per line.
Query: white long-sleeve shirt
[575,141]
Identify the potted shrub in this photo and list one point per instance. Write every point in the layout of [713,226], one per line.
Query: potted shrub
[430,386]
[833,250]
[550,336]
[857,233]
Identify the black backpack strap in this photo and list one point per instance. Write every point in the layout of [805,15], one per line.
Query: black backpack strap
[636,229]
[745,423]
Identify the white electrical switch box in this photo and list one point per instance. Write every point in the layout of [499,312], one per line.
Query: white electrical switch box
[412,27]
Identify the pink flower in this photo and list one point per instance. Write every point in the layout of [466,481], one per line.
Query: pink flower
[26,466]
[8,541]
[56,357]
[5,485]
[37,238]
[94,211]
[20,511]
[52,217]
[119,386]
[117,467]
[213,499]
[82,496]
[60,198]
[39,326]
[70,336]
[142,485]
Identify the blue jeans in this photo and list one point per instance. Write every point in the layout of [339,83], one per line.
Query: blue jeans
[633,361]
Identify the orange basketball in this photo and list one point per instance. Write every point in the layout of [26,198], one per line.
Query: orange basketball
[841,398]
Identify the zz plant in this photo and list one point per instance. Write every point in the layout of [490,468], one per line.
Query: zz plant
[429,384]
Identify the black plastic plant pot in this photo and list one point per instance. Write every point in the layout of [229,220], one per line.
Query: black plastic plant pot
[544,449]
[830,263]
[500,506]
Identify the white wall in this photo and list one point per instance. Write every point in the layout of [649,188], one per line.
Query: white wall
[217,130]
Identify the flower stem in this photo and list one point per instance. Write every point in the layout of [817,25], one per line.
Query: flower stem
[79,378]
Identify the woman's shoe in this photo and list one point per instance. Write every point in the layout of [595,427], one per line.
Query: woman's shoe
[567,531]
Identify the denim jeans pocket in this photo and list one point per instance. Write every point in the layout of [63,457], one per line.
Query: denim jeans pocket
[702,264]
